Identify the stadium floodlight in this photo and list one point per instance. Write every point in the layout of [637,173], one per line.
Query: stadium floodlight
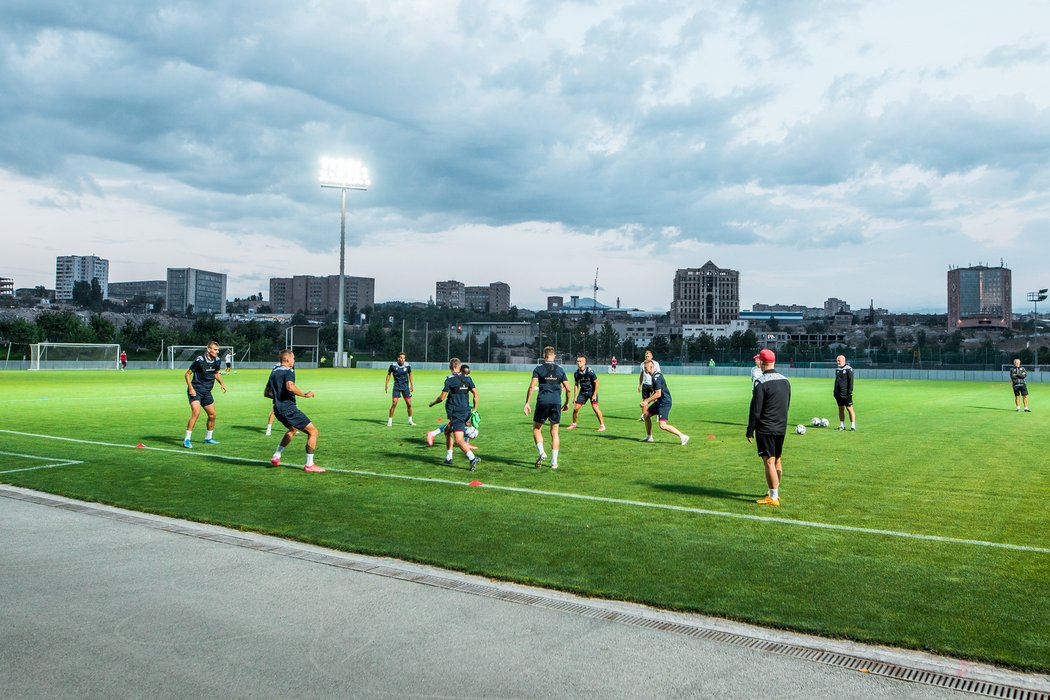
[343,174]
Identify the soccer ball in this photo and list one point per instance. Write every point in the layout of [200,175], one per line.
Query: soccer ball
[824,422]
[471,432]
[800,429]
[815,422]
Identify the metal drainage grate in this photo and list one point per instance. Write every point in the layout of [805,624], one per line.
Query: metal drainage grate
[583,609]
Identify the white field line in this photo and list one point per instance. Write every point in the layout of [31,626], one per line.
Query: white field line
[586,497]
[61,463]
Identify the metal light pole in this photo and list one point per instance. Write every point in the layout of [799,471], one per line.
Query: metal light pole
[344,175]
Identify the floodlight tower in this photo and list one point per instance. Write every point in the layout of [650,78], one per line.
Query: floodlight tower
[343,174]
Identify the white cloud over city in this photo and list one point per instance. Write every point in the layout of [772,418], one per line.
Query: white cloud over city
[848,149]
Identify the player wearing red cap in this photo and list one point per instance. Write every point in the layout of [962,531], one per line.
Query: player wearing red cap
[767,422]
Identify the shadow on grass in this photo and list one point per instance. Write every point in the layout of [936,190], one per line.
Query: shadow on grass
[724,422]
[459,461]
[992,408]
[708,491]
[172,440]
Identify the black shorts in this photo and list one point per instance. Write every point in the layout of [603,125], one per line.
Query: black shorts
[458,422]
[647,390]
[547,412]
[844,401]
[203,395]
[769,445]
[584,398]
[401,393]
[291,417]
[661,409]
[1021,390]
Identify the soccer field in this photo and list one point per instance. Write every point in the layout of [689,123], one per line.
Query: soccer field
[928,528]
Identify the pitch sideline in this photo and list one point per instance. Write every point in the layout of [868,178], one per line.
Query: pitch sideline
[586,497]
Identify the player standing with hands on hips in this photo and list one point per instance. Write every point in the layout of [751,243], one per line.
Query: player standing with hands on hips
[767,422]
[551,380]
[282,389]
[844,393]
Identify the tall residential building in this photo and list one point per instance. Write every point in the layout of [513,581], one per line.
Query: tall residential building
[499,297]
[70,269]
[833,306]
[316,296]
[145,289]
[491,298]
[979,297]
[451,293]
[204,291]
[7,287]
[707,295]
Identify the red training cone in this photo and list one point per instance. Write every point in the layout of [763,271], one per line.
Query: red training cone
[474,483]
[140,446]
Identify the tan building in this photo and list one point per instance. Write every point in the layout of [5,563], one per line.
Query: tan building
[979,297]
[317,296]
[707,295]
[491,298]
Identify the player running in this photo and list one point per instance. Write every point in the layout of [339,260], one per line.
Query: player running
[1019,379]
[457,393]
[282,389]
[767,422]
[658,403]
[200,378]
[551,379]
[585,388]
[403,387]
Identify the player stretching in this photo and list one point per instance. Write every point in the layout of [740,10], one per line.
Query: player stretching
[403,387]
[1018,377]
[585,387]
[551,379]
[457,393]
[658,403]
[200,378]
[767,422]
[282,389]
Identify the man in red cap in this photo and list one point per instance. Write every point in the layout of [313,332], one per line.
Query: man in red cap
[767,421]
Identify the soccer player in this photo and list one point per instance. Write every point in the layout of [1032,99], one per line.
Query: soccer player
[123,360]
[457,394]
[200,378]
[229,361]
[585,388]
[756,371]
[613,363]
[658,403]
[551,379]
[282,389]
[403,387]
[1018,377]
[767,422]
[645,379]
[269,423]
[844,393]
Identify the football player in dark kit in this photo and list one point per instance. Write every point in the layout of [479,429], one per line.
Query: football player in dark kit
[551,380]
[282,389]
[658,404]
[1019,380]
[767,422]
[457,393]
[200,378]
[844,393]
[403,387]
[585,387]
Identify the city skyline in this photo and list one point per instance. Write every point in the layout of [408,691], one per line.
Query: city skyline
[854,150]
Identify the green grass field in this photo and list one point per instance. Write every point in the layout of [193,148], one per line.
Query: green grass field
[929,528]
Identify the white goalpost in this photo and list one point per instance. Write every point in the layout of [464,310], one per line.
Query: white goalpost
[74,356]
[180,356]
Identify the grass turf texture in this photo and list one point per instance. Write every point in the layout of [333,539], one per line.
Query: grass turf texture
[931,458]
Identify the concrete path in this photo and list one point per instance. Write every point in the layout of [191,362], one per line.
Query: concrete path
[99,602]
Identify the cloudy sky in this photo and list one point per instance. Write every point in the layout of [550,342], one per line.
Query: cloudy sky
[848,149]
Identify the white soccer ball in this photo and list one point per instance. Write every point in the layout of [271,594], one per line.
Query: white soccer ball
[815,422]
[800,429]
[471,432]
[824,422]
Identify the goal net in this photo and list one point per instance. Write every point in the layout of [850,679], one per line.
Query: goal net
[180,356]
[74,356]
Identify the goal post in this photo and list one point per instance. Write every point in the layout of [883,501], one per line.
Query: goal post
[74,356]
[180,356]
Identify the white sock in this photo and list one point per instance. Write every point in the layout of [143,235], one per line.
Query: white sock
[842,424]
[207,435]
[434,433]
[309,459]
[554,456]
[470,455]
[389,421]
[853,424]
[773,493]
[280,449]
[539,449]
[448,454]
[189,434]
[410,421]
[268,429]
